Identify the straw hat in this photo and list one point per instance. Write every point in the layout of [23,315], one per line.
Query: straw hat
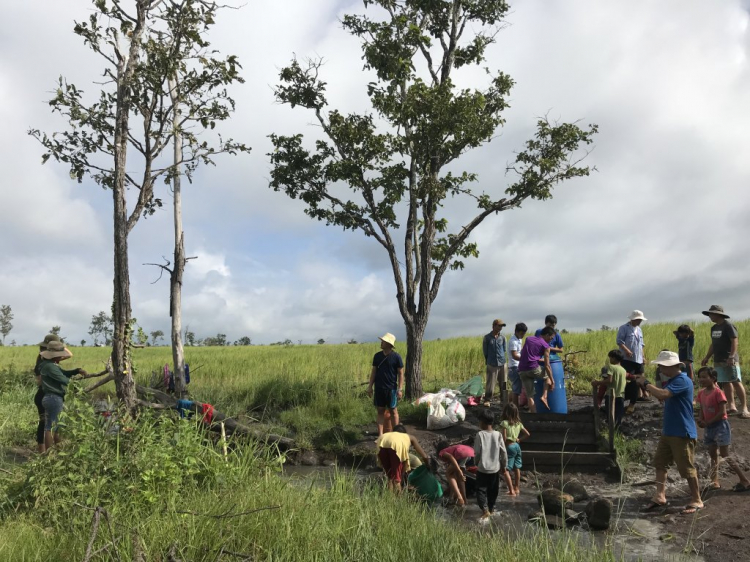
[637,315]
[717,310]
[388,338]
[668,359]
[48,338]
[56,349]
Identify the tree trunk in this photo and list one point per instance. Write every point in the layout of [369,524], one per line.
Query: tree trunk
[175,285]
[414,337]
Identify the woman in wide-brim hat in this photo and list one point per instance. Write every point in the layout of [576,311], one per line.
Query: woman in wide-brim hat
[40,392]
[54,384]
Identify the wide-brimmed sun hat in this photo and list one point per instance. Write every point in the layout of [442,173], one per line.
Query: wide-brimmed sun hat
[48,338]
[668,359]
[388,338]
[717,310]
[637,315]
[56,349]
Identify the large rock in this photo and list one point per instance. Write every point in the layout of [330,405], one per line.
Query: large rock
[572,487]
[599,513]
[555,502]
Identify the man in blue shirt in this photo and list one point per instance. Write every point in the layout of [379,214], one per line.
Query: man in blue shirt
[679,432]
[387,378]
[493,348]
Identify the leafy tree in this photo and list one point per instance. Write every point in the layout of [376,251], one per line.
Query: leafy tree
[83,343]
[6,316]
[55,330]
[190,338]
[244,340]
[156,335]
[352,341]
[217,340]
[145,46]
[140,337]
[321,341]
[101,327]
[394,158]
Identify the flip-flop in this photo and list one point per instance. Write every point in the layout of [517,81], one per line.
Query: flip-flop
[653,506]
[691,509]
[739,487]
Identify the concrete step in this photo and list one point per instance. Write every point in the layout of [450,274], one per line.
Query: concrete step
[556,461]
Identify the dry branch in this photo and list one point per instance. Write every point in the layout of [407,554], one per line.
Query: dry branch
[229,513]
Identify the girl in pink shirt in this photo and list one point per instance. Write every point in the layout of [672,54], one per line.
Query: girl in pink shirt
[717,435]
[455,456]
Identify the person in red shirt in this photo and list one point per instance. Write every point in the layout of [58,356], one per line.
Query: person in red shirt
[717,435]
[455,457]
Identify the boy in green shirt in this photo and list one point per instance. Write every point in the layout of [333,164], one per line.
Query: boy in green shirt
[613,378]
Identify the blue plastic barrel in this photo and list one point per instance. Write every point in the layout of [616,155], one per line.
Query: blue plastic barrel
[558,401]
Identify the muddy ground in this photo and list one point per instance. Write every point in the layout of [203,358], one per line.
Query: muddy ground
[719,532]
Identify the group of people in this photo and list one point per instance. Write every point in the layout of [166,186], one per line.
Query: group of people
[52,383]
[497,455]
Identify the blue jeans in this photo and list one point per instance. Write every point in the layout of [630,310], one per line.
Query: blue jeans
[53,406]
[515,381]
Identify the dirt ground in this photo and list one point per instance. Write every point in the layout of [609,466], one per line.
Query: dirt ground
[719,532]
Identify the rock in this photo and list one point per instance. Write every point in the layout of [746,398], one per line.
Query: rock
[308,458]
[555,523]
[599,513]
[554,502]
[573,487]
[572,517]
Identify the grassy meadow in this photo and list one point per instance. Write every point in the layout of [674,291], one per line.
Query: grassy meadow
[163,480]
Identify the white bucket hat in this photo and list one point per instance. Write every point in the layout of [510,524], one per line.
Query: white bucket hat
[668,359]
[56,349]
[388,338]
[637,315]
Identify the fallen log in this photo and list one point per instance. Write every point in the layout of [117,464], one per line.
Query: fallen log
[151,395]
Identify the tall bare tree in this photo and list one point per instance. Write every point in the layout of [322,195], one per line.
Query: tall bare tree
[393,159]
[138,65]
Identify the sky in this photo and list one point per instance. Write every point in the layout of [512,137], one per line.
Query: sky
[660,226]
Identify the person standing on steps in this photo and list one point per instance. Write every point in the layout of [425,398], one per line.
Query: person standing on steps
[535,353]
[679,432]
[556,345]
[41,447]
[630,341]
[494,351]
[386,385]
[723,348]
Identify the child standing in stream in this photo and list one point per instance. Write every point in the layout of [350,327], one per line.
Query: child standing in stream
[491,460]
[455,456]
[717,435]
[513,433]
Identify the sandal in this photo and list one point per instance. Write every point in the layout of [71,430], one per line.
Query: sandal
[653,506]
[691,509]
[740,487]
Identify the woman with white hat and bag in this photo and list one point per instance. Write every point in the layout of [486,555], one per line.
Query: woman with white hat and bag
[54,384]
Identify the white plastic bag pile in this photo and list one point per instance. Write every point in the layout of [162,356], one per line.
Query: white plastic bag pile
[445,408]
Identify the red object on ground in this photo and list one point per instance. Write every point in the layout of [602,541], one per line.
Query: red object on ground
[392,465]
[472,469]
[208,413]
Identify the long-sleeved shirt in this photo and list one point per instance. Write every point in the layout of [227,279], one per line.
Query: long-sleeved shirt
[54,379]
[632,337]
[493,349]
[490,455]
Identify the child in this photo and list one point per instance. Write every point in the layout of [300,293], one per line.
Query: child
[393,454]
[513,429]
[455,456]
[717,435]
[685,341]
[514,347]
[614,382]
[491,460]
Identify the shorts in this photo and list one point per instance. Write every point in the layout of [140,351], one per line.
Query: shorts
[680,450]
[385,397]
[728,373]
[528,378]
[392,465]
[632,367]
[53,406]
[719,434]
[515,381]
[514,456]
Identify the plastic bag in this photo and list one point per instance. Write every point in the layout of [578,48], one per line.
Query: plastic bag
[455,412]
[437,417]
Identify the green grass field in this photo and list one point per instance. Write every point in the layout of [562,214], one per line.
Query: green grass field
[145,478]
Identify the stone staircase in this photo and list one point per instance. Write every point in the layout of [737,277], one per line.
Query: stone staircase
[564,443]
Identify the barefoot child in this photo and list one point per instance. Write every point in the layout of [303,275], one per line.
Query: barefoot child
[718,434]
[455,456]
[685,342]
[513,433]
[534,365]
[393,455]
[491,460]
[614,382]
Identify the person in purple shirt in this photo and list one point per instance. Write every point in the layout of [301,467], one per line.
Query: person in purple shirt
[536,350]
